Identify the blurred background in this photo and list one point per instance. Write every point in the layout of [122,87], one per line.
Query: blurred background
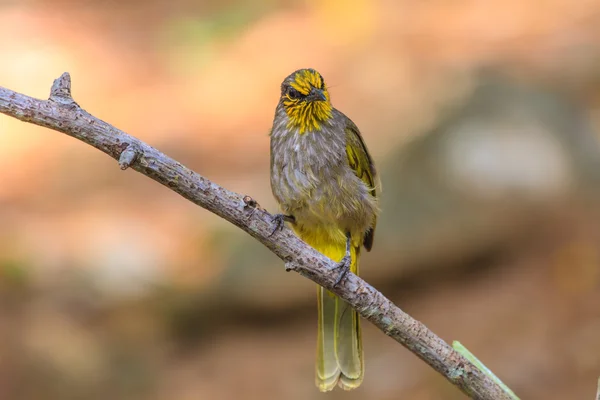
[483,119]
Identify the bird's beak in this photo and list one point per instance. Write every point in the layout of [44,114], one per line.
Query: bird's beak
[317,95]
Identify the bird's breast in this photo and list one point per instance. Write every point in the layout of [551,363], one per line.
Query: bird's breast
[303,163]
[311,178]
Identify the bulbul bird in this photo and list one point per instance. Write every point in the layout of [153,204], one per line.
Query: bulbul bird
[326,185]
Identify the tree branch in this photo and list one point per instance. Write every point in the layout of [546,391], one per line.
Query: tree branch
[61,113]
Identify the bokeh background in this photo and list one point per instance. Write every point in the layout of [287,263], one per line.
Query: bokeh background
[483,118]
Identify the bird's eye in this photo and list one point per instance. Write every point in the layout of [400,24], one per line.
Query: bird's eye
[293,93]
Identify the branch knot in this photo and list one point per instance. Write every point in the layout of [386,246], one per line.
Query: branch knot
[128,156]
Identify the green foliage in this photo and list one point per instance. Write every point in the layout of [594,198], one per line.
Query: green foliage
[458,346]
[14,274]
[190,38]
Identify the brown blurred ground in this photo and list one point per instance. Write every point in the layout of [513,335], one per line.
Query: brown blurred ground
[483,119]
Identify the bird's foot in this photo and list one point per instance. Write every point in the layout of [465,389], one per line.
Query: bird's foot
[345,262]
[344,267]
[279,219]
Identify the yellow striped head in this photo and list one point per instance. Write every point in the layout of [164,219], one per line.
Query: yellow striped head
[305,100]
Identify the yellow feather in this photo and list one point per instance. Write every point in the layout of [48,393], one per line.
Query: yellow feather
[339,343]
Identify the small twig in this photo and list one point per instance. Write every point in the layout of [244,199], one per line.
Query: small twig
[63,114]
[61,90]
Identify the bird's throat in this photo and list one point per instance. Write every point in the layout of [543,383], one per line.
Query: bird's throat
[308,116]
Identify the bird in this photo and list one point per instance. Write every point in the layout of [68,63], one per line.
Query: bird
[325,183]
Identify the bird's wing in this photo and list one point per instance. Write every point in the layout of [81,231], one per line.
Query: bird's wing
[361,163]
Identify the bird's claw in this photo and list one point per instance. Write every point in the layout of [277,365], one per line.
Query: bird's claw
[278,220]
[344,265]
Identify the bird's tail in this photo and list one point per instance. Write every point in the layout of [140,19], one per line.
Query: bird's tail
[339,341]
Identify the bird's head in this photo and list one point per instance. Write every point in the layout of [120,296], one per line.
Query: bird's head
[305,100]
